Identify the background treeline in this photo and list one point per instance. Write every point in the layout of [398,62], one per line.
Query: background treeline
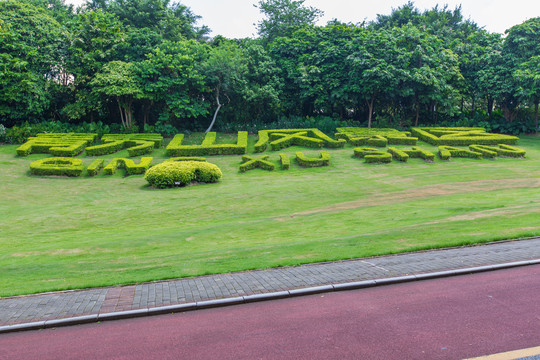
[146,65]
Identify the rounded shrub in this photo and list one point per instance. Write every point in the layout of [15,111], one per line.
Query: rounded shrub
[181,173]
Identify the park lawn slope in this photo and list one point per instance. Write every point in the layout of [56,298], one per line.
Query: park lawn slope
[63,233]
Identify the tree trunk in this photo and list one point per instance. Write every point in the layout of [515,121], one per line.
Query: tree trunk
[215,113]
[121,113]
[370,109]
[536,116]
[489,106]
[417,113]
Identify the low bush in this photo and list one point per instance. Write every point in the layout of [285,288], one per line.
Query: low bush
[181,173]
[502,150]
[129,165]
[371,155]
[95,167]
[59,166]
[446,152]
[285,161]
[461,136]
[375,137]
[282,138]
[249,163]
[61,145]
[398,154]
[175,147]
[322,160]
[187,158]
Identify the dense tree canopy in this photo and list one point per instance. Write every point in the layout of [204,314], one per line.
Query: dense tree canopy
[148,62]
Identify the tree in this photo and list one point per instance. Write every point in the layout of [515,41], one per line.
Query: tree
[528,76]
[225,71]
[117,79]
[30,42]
[284,16]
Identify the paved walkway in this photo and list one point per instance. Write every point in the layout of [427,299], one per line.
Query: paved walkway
[66,304]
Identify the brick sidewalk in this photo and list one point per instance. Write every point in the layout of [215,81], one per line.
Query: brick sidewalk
[58,305]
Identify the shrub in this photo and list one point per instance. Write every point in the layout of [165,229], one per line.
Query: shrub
[187,158]
[371,155]
[129,165]
[285,161]
[446,152]
[95,167]
[181,173]
[175,147]
[375,137]
[398,154]
[322,160]
[61,145]
[461,136]
[249,162]
[282,138]
[502,150]
[58,166]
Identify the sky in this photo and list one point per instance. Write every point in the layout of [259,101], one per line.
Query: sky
[237,18]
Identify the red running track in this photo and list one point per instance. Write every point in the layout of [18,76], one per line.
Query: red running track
[450,318]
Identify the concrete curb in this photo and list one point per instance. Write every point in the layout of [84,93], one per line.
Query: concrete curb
[257,297]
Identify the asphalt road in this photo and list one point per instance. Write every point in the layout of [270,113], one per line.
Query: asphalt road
[450,318]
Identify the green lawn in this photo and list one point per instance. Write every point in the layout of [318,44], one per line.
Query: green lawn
[64,233]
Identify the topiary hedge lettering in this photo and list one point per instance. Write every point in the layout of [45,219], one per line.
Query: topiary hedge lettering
[371,155]
[182,173]
[58,166]
[322,160]
[249,163]
[61,145]
[461,136]
[375,137]
[415,152]
[129,165]
[207,147]
[282,138]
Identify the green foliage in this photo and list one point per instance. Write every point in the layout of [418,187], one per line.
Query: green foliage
[57,166]
[371,155]
[249,163]
[95,167]
[322,160]
[461,136]
[502,150]
[70,144]
[136,144]
[175,147]
[447,152]
[282,138]
[285,161]
[375,137]
[187,158]
[129,165]
[398,154]
[181,173]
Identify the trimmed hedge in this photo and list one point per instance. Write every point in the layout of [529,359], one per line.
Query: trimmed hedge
[157,139]
[129,165]
[249,162]
[175,147]
[374,137]
[281,138]
[134,147]
[322,160]
[95,167]
[59,166]
[417,152]
[446,152]
[371,155]
[285,161]
[502,150]
[187,158]
[181,173]
[461,136]
[398,154]
[60,145]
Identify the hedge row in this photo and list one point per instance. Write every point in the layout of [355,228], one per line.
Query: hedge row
[62,145]
[285,161]
[95,167]
[186,158]
[59,166]
[249,162]
[157,139]
[282,138]
[129,165]
[175,147]
[371,155]
[375,137]
[446,152]
[181,173]
[415,152]
[134,147]
[462,136]
[502,150]
[322,160]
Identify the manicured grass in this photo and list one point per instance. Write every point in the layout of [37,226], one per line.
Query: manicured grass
[64,233]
